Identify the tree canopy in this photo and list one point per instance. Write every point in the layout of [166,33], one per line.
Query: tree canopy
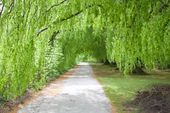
[42,38]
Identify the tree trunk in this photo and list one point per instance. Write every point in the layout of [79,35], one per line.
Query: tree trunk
[139,71]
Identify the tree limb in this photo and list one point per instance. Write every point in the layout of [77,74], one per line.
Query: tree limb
[53,38]
[75,14]
[67,18]
[55,5]
[42,30]
[11,6]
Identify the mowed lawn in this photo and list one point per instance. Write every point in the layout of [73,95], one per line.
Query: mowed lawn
[121,89]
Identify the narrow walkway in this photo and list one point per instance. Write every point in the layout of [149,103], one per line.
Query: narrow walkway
[80,93]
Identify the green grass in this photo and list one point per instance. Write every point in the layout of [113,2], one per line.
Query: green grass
[121,89]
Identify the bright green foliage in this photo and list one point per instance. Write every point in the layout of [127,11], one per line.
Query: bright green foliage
[41,38]
[140,34]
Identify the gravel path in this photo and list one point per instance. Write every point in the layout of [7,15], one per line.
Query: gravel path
[80,93]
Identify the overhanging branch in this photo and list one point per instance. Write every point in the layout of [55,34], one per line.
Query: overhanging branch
[67,18]
[55,5]
[42,30]
[11,6]
[79,12]
[53,38]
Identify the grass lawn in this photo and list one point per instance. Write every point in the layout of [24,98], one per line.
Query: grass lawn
[121,89]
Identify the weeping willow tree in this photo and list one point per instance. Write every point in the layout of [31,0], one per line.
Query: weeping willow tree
[40,39]
[139,35]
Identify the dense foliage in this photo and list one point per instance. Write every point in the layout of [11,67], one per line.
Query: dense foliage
[41,38]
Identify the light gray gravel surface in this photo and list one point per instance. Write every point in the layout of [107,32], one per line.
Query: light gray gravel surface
[81,93]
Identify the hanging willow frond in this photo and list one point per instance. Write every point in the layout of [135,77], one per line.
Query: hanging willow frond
[43,38]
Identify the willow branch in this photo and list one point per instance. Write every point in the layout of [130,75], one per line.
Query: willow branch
[11,6]
[53,38]
[67,18]
[56,5]
[75,14]
[42,30]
